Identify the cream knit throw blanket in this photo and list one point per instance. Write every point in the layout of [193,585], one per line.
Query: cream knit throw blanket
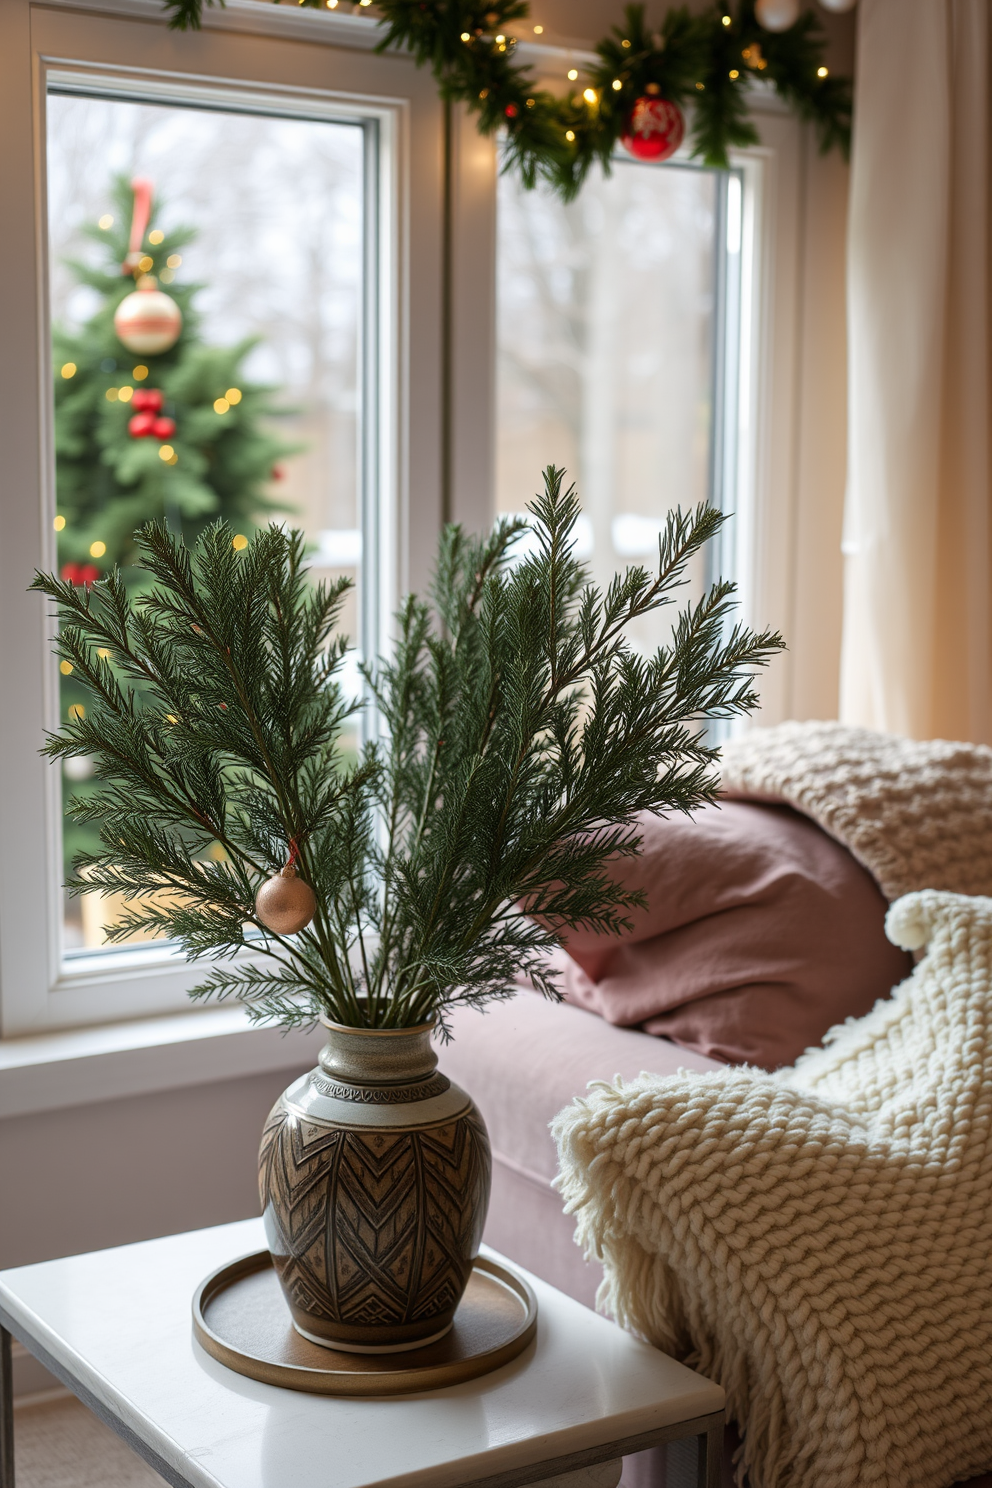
[916,814]
[819,1241]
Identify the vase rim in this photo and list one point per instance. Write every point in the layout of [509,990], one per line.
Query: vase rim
[329,1024]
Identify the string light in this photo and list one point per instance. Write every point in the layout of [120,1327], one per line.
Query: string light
[104,653]
[572,74]
[59,524]
[139,373]
[734,73]
[69,369]
[174,260]
[727,20]
[531,102]
[823,72]
[146,263]
[171,718]
[66,668]
[617,85]
[538,30]
[500,40]
[111,395]
[125,394]
[701,87]
[106,222]
[625,43]
[570,135]
[97,549]
[239,542]
[168,454]
[332,4]
[466,36]
[77,710]
[221,405]
[590,95]
[156,237]
[233,395]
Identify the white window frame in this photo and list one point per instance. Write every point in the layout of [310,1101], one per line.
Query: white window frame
[341,78]
[123,1023]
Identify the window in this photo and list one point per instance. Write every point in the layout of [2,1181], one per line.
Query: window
[262,411]
[311,177]
[618,326]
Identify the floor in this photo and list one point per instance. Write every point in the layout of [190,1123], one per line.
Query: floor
[59,1444]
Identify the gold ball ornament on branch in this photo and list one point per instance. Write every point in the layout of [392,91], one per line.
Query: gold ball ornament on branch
[285,904]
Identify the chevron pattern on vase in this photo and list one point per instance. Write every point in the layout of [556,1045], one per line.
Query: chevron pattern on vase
[378,1227]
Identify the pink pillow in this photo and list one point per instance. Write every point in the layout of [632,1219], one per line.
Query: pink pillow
[760,932]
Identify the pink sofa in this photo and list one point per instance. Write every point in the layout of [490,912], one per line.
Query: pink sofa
[522,1061]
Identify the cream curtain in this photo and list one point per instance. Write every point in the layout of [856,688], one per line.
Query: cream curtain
[917,650]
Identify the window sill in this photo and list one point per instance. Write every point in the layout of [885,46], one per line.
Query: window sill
[80,1066]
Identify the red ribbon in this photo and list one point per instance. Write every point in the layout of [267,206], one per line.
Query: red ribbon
[143,191]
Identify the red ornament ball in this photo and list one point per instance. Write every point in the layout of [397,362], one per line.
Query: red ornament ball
[654,129]
[79,573]
[140,425]
[147,400]
[148,321]
[164,428]
[511,111]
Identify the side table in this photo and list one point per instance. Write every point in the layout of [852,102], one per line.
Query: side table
[115,1327]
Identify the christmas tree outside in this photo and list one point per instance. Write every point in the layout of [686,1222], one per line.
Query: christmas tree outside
[177,433]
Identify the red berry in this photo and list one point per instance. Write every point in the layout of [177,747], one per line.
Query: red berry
[140,425]
[88,574]
[511,111]
[154,398]
[164,428]
[69,573]
[277,473]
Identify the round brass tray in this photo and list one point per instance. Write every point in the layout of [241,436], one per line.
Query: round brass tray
[241,1319]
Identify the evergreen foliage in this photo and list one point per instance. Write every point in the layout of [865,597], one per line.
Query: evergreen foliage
[108,483]
[520,736]
[694,59]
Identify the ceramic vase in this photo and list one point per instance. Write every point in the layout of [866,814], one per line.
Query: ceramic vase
[374,1175]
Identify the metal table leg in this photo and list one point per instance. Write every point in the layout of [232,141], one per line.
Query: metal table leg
[6,1411]
[710,1460]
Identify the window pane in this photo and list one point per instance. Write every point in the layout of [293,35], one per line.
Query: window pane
[256,234]
[611,328]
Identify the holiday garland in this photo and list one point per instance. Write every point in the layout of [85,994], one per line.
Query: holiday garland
[708,60]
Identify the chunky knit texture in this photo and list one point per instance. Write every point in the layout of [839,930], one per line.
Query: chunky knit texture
[819,1241]
[917,814]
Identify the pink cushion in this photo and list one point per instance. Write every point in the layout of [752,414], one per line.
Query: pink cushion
[760,933]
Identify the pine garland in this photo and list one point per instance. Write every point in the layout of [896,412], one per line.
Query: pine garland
[707,61]
[521,736]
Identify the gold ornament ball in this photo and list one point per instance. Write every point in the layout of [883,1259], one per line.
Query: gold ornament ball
[285,904]
[148,322]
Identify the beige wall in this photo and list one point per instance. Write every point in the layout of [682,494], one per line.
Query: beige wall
[88,1177]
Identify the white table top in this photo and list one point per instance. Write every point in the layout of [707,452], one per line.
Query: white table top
[119,1323]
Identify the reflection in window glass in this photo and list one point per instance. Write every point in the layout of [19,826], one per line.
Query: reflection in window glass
[613,327]
[254,243]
